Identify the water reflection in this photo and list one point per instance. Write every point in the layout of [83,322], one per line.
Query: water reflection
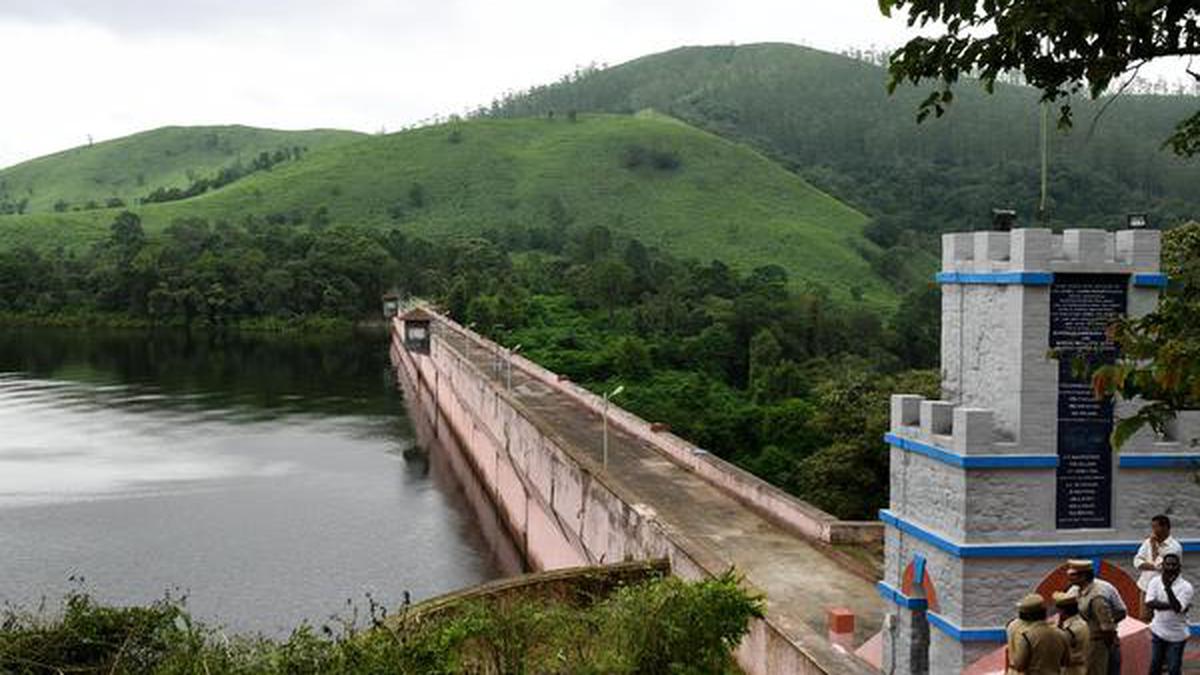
[270,478]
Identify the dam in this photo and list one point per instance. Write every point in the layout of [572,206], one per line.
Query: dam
[535,443]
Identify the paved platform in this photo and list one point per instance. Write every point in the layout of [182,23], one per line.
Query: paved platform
[798,577]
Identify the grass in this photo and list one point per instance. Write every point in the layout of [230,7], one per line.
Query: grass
[131,167]
[646,176]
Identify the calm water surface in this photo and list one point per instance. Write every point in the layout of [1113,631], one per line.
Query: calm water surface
[270,479]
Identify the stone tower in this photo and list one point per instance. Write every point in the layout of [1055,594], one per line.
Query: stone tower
[994,486]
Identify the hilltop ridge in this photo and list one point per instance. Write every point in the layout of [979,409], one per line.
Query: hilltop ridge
[829,118]
[131,167]
[647,176]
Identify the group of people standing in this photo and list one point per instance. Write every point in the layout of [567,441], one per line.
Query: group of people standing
[1083,638]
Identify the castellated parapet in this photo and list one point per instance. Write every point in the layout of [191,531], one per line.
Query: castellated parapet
[996,316]
[997,484]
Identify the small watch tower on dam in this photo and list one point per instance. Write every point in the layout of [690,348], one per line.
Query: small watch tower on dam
[996,485]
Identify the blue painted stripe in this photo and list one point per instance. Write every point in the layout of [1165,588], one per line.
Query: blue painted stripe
[966,634]
[892,520]
[1158,461]
[1151,280]
[897,597]
[989,634]
[972,461]
[1001,278]
[1054,550]
[1143,280]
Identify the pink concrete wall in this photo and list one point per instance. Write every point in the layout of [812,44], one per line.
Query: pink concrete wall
[798,515]
[564,513]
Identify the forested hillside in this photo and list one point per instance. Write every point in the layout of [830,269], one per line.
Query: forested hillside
[829,118]
[667,183]
[123,171]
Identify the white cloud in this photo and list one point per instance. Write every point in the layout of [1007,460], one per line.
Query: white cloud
[74,68]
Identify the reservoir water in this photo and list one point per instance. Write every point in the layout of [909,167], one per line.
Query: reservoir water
[269,479]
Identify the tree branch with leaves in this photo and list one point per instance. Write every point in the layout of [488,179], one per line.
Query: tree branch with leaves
[1064,48]
[1160,352]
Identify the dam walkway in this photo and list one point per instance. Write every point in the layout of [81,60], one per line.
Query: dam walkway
[799,577]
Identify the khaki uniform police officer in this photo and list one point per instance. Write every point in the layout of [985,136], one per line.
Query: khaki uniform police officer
[1076,629]
[1034,646]
[1096,607]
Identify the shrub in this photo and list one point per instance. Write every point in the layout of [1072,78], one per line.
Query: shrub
[653,627]
[637,155]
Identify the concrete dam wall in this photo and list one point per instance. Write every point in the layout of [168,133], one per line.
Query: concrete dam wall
[562,509]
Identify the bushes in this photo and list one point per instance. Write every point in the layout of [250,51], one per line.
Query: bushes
[198,186]
[654,627]
[91,638]
[637,155]
[672,626]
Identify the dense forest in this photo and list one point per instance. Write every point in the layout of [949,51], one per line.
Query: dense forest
[790,384]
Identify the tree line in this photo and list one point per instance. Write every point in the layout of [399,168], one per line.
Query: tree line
[264,161]
[790,384]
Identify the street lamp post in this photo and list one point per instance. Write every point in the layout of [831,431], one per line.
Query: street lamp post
[467,339]
[607,397]
[512,351]
[497,358]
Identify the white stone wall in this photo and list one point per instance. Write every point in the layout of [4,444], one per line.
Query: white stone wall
[989,374]
[933,494]
[1003,505]
[1000,391]
[1145,492]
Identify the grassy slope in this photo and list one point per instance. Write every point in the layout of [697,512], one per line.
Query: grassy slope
[725,201]
[815,109]
[132,166]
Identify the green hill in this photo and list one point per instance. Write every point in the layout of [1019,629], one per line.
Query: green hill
[132,167]
[829,118]
[647,176]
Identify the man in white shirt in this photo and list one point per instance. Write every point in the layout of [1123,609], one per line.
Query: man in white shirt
[1170,596]
[1149,557]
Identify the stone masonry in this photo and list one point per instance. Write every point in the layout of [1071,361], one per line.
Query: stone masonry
[972,525]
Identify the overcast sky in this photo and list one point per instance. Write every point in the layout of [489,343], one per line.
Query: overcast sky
[77,67]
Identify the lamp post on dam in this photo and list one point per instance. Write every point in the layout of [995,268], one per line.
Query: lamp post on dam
[608,396]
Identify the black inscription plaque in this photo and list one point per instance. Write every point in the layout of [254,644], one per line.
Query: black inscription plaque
[1081,308]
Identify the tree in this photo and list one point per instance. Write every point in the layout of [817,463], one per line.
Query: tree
[592,244]
[606,283]
[631,358]
[1161,351]
[1061,48]
[126,234]
[416,196]
[1064,49]
[917,328]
